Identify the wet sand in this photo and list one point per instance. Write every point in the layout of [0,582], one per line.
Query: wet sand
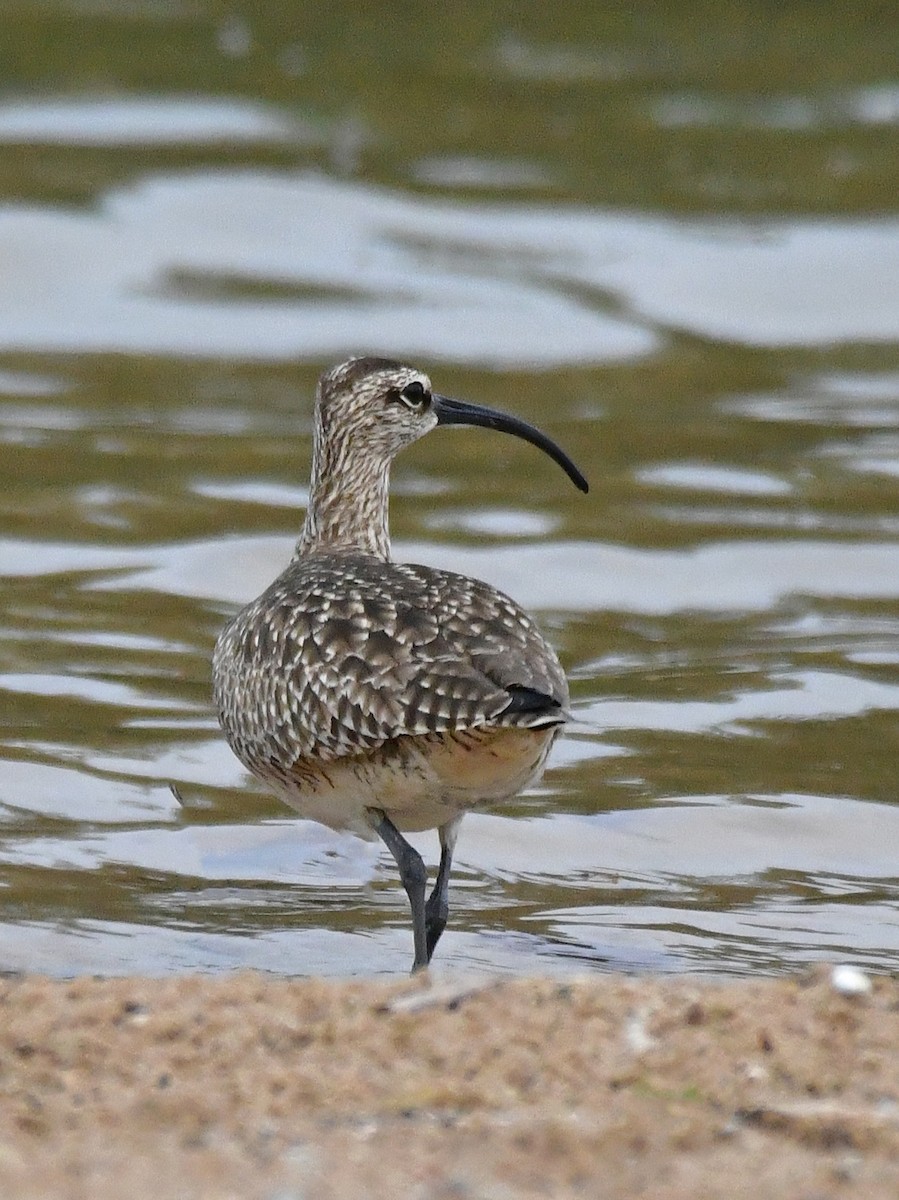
[249,1086]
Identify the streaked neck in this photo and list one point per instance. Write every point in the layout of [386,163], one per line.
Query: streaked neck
[348,502]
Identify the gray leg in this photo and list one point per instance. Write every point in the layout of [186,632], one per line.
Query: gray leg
[437,908]
[414,878]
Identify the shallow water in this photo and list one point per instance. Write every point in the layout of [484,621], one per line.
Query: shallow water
[187,238]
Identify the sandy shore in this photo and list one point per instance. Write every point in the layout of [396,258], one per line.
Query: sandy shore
[246,1086]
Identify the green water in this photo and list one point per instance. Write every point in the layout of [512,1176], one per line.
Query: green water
[670,238]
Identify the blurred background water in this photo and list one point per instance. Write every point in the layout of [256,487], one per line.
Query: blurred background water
[667,233]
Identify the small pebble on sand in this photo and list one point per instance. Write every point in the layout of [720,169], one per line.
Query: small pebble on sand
[850,981]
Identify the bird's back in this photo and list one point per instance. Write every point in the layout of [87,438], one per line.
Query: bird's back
[345,653]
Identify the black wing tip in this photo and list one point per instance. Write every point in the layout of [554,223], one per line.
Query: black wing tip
[530,700]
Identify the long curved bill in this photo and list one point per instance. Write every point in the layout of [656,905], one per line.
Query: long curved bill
[457,412]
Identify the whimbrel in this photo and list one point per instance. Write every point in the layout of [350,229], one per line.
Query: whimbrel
[377,696]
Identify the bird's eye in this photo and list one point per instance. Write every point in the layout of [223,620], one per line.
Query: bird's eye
[415,394]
